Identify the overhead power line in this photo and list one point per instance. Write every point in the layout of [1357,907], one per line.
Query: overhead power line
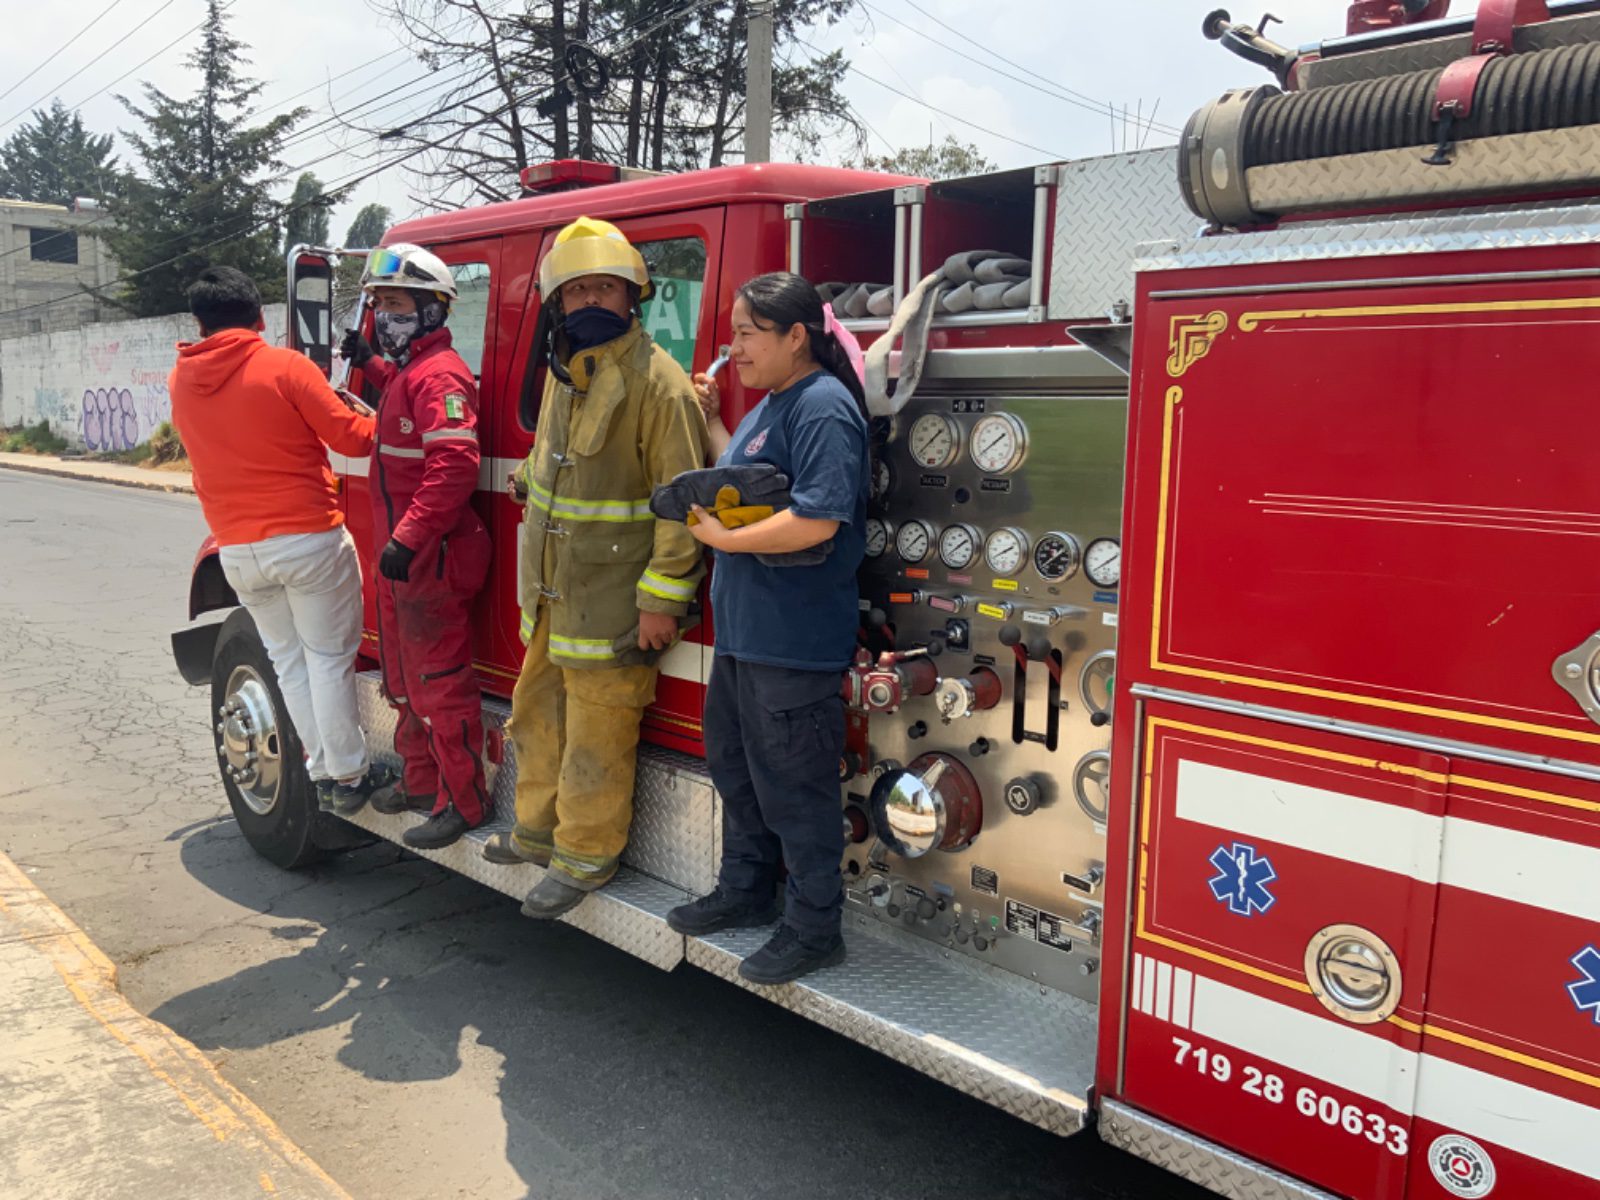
[1038,83]
[147,61]
[115,45]
[283,210]
[64,45]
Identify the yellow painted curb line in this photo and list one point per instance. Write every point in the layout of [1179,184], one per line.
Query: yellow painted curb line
[91,977]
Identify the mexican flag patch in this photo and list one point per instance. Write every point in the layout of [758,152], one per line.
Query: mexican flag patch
[455,406]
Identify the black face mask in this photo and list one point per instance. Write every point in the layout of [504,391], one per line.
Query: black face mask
[593,326]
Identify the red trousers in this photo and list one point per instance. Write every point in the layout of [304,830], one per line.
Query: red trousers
[425,646]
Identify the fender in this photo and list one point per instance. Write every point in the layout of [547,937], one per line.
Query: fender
[194,648]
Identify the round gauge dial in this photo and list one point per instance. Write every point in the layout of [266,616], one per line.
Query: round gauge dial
[882,480]
[935,440]
[999,444]
[1056,556]
[1102,562]
[958,546]
[877,537]
[1006,551]
[914,541]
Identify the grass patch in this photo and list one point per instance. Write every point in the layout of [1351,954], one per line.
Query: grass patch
[164,450]
[31,439]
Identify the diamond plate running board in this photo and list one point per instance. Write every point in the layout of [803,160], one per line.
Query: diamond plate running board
[1197,1160]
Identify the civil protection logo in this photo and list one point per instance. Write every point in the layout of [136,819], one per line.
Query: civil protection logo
[1462,1167]
[753,446]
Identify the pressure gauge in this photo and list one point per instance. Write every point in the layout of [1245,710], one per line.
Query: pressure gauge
[914,541]
[1056,556]
[1102,562]
[882,480]
[999,443]
[1005,551]
[958,546]
[877,537]
[935,440]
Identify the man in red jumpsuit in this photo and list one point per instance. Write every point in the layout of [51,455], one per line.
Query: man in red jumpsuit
[434,553]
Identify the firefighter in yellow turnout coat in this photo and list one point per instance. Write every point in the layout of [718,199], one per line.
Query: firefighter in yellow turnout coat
[605,587]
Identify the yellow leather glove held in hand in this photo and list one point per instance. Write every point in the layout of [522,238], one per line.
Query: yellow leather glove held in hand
[732,514]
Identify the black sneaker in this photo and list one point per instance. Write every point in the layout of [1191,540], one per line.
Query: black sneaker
[398,800]
[349,797]
[720,910]
[442,829]
[324,795]
[786,958]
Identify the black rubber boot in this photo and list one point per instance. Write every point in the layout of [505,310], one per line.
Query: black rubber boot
[552,896]
[438,831]
[325,795]
[398,800]
[504,849]
[720,910]
[786,958]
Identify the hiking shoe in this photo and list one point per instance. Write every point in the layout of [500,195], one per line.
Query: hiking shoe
[552,896]
[324,795]
[398,800]
[786,958]
[721,910]
[349,797]
[504,849]
[443,828]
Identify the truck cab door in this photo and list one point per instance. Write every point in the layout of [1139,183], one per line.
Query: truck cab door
[685,317]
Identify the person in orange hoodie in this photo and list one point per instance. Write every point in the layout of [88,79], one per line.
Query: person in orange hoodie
[255,420]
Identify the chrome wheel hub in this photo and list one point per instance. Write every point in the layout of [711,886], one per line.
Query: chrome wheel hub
[248,742]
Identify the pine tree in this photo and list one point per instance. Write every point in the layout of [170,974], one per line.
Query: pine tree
[204,198]
[53,159]
[369,227]
[306,221]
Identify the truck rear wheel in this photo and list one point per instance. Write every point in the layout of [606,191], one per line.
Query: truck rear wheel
[262,763]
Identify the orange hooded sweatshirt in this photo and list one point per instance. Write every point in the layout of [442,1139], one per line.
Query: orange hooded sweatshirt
[254,420]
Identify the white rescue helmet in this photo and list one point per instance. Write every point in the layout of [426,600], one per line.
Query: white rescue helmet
[405,265]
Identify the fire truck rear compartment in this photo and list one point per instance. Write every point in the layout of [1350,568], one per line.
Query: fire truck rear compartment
[1025,1049]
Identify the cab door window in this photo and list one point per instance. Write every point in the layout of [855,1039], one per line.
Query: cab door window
[469,315]
[672,315]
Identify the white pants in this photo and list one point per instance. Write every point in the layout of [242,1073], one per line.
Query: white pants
[304,591]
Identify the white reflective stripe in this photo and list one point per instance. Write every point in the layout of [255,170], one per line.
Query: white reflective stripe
[653,583]
[455,435]
[1385,836]
[400,452]
[344,465]
[1358,1059]
[581,647]
[590,510]
[1491,860]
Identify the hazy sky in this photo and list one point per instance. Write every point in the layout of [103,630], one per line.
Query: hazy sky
[1143,54]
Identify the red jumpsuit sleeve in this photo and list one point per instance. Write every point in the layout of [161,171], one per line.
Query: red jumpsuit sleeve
[444,405]
[339,427]
[378,371]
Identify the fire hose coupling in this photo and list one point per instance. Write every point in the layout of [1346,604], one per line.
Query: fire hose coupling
[885,684]
[962,696]
[1251,44]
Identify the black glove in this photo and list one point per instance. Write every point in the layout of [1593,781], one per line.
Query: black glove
[354,349]
[395,562]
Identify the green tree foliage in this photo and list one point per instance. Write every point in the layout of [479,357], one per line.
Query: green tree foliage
[674,101]
[369,226]
[306,220]
[53,159]
[949,159]
[203,198]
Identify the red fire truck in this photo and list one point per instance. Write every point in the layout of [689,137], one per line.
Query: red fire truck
[1298,898]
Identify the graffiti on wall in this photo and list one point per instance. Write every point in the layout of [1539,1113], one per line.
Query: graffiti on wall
[110,419]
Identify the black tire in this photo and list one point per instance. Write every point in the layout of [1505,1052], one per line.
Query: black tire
[285,834]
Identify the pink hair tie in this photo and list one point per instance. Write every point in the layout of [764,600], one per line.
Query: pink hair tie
[846,339]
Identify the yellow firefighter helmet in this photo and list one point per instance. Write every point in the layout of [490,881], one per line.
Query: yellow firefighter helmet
[591,247]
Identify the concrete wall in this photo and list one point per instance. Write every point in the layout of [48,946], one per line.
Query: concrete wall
[102,387]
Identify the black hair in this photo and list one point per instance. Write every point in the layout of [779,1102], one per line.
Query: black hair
[784,300]
[224,298]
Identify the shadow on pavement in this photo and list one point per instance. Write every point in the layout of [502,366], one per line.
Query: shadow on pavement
[617,1079]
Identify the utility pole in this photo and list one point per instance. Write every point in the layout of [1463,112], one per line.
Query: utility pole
[758,84]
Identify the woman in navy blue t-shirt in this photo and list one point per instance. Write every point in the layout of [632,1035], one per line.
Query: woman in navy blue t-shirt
[785,631]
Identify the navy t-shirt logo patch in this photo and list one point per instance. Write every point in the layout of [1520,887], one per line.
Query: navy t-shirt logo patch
[753,447]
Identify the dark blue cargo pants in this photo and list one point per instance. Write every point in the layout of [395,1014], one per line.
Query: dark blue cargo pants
[774,736]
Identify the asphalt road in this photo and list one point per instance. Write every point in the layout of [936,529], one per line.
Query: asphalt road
[408,1028]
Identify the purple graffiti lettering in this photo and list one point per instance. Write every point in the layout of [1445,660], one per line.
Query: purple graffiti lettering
[110,420]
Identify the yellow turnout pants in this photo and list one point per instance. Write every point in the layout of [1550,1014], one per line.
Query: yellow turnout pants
[576,733]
